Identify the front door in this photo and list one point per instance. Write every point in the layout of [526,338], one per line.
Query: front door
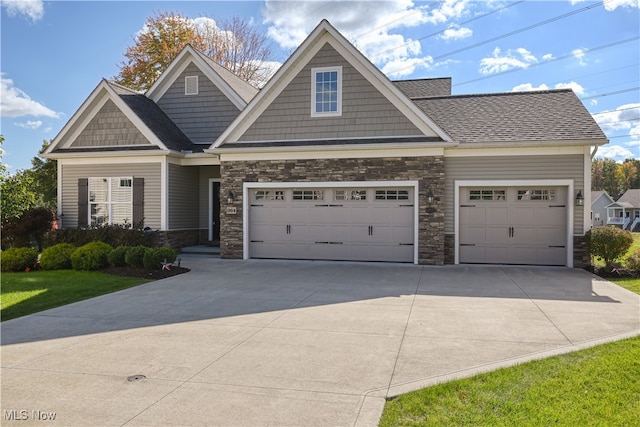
[214,226]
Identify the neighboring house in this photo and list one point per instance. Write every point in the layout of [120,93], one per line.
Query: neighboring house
[600,200]
[625,212]
[332,160]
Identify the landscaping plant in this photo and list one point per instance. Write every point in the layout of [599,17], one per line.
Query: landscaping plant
[117,256]
[135,256]
[57,257]
[154,257]
[92,256]
[609,244]
[18,259]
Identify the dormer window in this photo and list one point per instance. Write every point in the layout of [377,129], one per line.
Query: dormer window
[326,91]
[191,85]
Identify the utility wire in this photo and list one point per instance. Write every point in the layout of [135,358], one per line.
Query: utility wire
[615,111]
[631,89]
[570,55]
[511,33]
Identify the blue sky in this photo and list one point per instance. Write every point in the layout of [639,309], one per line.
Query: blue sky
[54,53]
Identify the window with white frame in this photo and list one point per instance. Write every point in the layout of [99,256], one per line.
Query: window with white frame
[326,91]
[191,85]
[111,201]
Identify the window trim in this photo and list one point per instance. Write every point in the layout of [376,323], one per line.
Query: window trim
[111,183]
[195,81]
[314,94]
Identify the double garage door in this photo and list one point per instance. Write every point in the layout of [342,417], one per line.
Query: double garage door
[343,223]
[513,225]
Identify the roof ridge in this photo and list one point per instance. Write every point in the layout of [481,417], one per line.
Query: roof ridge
[495,94]
[116,84]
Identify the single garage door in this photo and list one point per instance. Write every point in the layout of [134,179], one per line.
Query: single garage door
[358,224]
[513,225]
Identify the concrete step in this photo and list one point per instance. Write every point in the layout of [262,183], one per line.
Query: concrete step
[201,249]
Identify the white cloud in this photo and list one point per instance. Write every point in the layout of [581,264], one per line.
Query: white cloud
[15,103]
[373,27]
[456,34]
[579,55]
[497,63]
[547,57]
[612,5]
[623,118]
[33,9]
[526,87]
[617,152]
[29,124]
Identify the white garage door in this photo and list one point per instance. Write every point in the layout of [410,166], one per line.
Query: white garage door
[513,225]
[358,224]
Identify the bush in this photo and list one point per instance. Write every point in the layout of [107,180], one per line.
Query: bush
[135,256]
[28,229]
[18,259]
[154,257]
[608,244]
[92,256]
[116,257]
[633,262]
[57,257]
[114,235]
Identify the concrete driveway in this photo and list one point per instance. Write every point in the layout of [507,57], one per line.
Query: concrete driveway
[293,343]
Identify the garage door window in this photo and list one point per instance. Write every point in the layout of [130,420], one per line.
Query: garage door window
[392,194]
[269,195]
[487,194]
[308,195]
[341,195]
[533,194]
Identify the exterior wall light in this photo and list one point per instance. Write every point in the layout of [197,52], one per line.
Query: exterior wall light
[430,197]
[230,197]
[579,199]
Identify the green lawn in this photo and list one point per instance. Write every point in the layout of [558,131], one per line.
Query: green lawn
[26,293]
[594,387]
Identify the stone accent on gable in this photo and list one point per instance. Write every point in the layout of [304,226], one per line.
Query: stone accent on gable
[428,171]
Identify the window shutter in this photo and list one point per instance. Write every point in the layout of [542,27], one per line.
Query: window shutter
[138,202]
[83,202]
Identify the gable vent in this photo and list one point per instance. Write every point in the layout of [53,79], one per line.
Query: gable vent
[191,85]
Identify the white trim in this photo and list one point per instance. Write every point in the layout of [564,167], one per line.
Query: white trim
[586,193]
[359,152]
[210,214]
[314,92]
[120,159]
[59,196]
[569,183]
[191,79]
[246,186]
[164,196]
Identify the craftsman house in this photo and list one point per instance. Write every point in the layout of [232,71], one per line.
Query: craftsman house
[625,212]
[332,160]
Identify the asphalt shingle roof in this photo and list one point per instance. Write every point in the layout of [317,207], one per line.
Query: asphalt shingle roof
[513,117]
[632,197]
[424,88]
[155,119]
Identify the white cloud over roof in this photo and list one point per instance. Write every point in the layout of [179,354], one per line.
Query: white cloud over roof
[16,103]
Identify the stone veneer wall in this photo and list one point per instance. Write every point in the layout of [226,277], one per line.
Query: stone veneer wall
[581,255]
[449,249]
[428,171]
[176,239]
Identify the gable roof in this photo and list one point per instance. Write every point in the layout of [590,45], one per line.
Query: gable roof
[515,117]
[233,87]
[424,88]
[595,195]
[325,33]
[630,197]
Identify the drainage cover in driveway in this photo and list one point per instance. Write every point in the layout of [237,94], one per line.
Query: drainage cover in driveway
[134,378]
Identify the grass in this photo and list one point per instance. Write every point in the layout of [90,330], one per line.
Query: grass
[27,293]
[593,387]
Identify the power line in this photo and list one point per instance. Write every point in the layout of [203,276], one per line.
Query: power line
[437,32]
[514,32]
[615,111]
[569,55]
[620,121]
[631,89]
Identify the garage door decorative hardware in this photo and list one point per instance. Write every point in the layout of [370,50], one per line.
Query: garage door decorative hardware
[558,246]
[405,244]
[511,232]
[257,241]
[557,206]
[288,229]
[371,230]
[467,206]
[257,206]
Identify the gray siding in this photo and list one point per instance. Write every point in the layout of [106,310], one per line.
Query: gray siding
[600,207]
[365,111]
[206,172]
[149,171]
[513,168]
[183,197]
[202,117]
[109,127]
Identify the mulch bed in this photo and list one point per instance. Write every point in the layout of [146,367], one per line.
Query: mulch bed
[145,273]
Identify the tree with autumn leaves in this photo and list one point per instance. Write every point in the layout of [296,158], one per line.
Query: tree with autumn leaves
[615,178]
[233,43]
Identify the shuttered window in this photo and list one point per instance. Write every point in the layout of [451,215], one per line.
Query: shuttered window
[109,200]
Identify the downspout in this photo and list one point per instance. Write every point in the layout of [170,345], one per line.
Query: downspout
[593,153]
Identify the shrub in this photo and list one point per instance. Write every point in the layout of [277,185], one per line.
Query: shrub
[114,235]
[633,262]
[116,257]
[608,244]
[29,228]
[153,257]
[135,256]
[92,256]
[57,257]
[18,259]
